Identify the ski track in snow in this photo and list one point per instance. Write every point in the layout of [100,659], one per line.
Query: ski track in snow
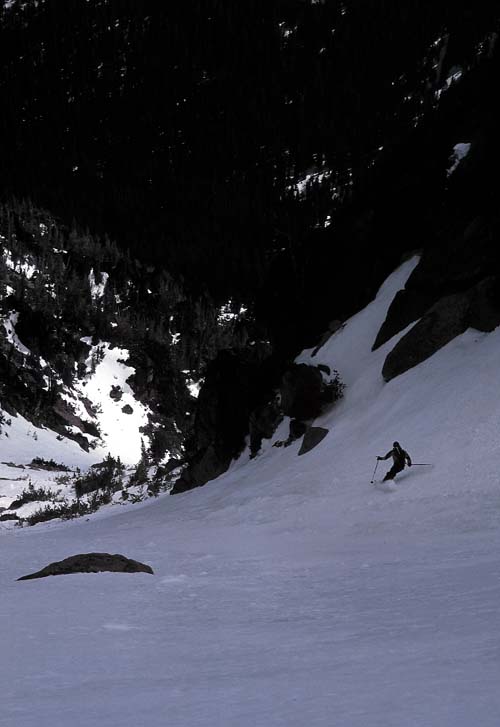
[290,592]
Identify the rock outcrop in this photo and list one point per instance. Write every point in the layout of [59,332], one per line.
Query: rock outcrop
[227,398]
[469,258]
[479,308]
[227,412]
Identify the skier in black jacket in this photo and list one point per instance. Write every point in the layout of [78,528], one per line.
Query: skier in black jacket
[399,458]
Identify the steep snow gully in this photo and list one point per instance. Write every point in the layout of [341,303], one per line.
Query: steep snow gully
[290,592]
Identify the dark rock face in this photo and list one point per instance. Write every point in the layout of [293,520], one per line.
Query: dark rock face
[405,308]
[263,423]
[484,308]
[227,411]
[65,412]
[440,325]
[312,437]
[470,257]
[478,308]
[90,563]
[233,384]
[301,392]
[297,429]
[206,465]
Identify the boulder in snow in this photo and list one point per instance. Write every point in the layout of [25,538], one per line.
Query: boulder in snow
[312,438]
[90,563]
[116,393]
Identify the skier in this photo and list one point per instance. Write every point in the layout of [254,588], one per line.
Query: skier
[399,458]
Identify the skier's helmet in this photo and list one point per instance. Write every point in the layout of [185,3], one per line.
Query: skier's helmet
[397,445]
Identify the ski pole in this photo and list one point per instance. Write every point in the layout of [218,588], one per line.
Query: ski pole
[421,464]
[373,476]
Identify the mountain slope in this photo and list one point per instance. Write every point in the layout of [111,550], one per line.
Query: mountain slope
[98,347]
[290,591]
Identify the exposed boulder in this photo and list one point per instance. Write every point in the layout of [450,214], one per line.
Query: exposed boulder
[90,563]
[312,437]
[116,393]
[127,409]
[406,307]
[478,308]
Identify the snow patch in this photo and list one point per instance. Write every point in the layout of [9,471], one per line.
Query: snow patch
[460,151]
[21,266]
[97,288]
[454,76]
[228,313]
[301,185]
[10,329]
[120,431]
[193,385]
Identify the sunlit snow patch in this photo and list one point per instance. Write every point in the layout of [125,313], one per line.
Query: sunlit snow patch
[120,430]
[302,185]
[21,441]
[192,385]
[460,151]
[23,267]
[454,76]
[97,289]
[10,329]
[227,312]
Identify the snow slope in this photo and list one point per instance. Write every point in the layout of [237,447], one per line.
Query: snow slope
[290,592]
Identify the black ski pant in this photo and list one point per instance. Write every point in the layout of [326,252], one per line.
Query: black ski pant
[397,467]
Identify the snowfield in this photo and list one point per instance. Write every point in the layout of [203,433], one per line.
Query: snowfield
[290,592]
